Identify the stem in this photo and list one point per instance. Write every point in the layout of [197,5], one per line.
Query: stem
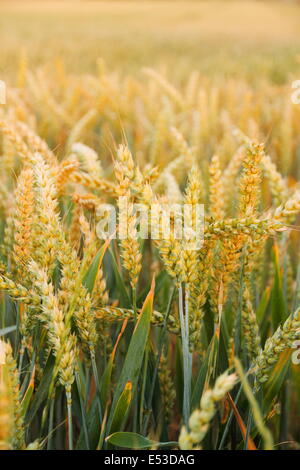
[134,301]
[50,425]
[249,425]
[85,430]
[256,412]
[229,419]
[186,359]
[143,390]
[187,331]
[70,423]
[238,320]
[283,427]
[96,378]
[22,351]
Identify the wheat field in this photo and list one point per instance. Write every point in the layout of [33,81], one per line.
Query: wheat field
[136,342]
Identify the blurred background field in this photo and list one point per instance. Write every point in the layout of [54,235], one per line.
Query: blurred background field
[231,38]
